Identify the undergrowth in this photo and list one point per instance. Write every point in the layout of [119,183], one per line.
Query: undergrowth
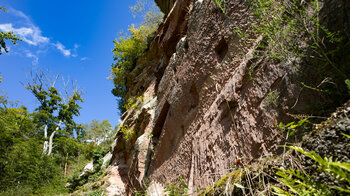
[177,188]
[76,181]
[292,33]
[298,182]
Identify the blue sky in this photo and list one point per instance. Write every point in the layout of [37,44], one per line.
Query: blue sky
[74,38]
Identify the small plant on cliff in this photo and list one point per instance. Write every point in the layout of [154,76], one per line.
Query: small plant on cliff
[289,28]
[272,99]
[220,4]
[177,188]
[300,183]
[282,23]
[291,127]
[347,82]
[132,102]
[292,32]
[128,133]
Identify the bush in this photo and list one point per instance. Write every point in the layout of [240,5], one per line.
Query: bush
[127,48]
[76,181]
[28,169]
[128,133]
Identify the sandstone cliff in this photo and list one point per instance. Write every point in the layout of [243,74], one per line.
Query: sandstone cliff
[207,101]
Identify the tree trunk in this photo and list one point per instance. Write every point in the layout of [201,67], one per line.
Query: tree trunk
[45,147]
[65,166]
[51,138]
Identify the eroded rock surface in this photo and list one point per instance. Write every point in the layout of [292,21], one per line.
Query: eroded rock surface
[207,101]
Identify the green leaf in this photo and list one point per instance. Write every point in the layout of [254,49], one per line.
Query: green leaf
[239,186]
[348,136]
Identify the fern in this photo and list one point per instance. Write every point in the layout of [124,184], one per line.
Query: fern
[301,184]
[220,4]
[340,171]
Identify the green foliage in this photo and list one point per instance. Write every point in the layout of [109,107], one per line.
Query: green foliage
[315,88]
[77,181]
[347,82]
[220,4]
[24,169]
[291,127]
[284,24]
[177,188]
[298,183]
[128,133]
[291,32]
[98,155]
[127,49]
[22,165]
[3,9]
[348,136]
[228,184]
[281,24]
[68,152]
[55,109]
[53,106]
[7,36]
[96,193]
[99,133]
[272,99]
[301,184]
[132,102]
[139,193]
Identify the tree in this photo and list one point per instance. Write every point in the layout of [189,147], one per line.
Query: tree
[21,161]
[67,149]
[94,131]
[56,109]
[99,132]
[7,36]
[106,130]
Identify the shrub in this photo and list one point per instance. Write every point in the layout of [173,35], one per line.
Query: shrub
[128,133]
[132,102]
[77,181]
[127,49]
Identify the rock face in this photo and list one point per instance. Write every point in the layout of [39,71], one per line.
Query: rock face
[165,6]
[202,108]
